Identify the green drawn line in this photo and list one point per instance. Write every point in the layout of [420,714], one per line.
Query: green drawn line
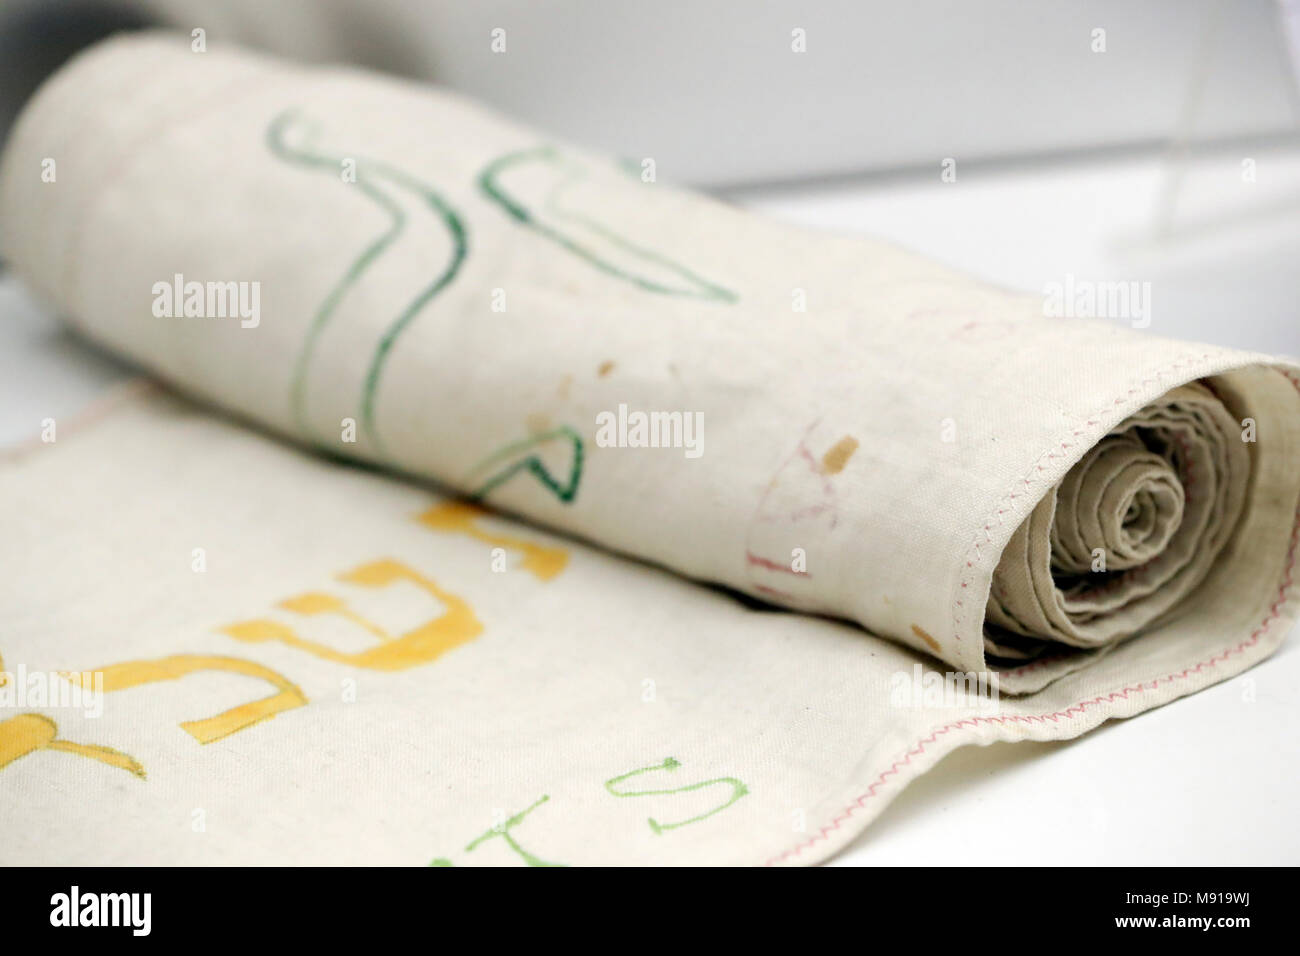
[503,832]
[738,790]
[460,248]
[697,286]
[565,492]
[455,228]
[275,142]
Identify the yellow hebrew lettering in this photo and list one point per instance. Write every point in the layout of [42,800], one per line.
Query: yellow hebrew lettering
[459,517]
[314,602]
[27,733]
[457,624]
[134,673]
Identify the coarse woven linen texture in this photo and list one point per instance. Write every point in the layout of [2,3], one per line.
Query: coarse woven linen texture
[457,298]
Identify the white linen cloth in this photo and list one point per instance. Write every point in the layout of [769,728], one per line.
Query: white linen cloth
[1088,518]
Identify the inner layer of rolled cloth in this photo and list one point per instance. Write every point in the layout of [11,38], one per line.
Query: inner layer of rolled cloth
[1131,530]
[851,429]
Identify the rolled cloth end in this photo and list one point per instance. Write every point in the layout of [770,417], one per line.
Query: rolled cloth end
[1138,530]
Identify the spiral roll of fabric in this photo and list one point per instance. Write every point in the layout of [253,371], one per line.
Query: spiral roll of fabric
[1132,529]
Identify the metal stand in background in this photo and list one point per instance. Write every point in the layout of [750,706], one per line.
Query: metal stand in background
[1171,192]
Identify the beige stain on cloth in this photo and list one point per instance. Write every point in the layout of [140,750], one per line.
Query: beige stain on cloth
[930,641]
[838,455]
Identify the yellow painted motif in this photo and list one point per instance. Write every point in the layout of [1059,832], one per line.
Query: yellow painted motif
[457,624]
[459,517]
[27,733]
[134,673]
[314,602]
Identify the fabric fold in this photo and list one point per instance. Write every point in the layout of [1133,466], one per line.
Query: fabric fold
[1132,529]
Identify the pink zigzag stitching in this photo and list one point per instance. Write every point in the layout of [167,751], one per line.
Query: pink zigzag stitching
[918,748]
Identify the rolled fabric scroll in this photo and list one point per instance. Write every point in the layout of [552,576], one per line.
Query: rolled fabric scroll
[1153,503]
[389,274]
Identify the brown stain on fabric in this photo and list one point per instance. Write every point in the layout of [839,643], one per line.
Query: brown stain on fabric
[930,641]
[838,455]
[605,368]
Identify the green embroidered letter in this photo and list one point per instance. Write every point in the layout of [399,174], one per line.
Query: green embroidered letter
[738,790]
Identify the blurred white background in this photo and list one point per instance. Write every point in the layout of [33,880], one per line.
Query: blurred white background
[714,92]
